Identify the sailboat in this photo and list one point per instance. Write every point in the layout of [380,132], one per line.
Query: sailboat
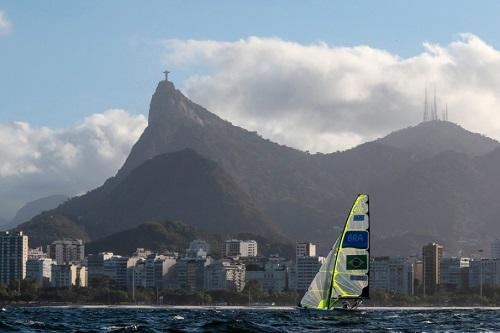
[342,281]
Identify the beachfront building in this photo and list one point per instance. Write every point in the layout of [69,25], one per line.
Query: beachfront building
[95,266]
[67,251]
[225,274]
[432,254]
[485,272]
[235,248]
[13,256]
[392,274]
[39,270]
[271,273]
[68,275]
[157,268]
[454,273]
[305,270]
[305,249]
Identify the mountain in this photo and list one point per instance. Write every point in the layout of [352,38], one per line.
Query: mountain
[35,207]
[430,138]
[295,189]
[182,186]
[175,236]
[49,226]
[431,182]
[442,199]
[283,181]
[307,196]
[156,236]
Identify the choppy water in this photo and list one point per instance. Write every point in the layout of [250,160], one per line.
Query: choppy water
[133,319]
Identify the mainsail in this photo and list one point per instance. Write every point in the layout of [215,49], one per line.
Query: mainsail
[344,273]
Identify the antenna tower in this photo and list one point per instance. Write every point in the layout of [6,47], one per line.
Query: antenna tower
[426,107]
[434,109]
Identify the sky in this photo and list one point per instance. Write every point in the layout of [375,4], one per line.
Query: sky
[76,77]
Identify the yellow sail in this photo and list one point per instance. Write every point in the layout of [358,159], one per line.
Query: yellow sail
[350,272]
[344,274]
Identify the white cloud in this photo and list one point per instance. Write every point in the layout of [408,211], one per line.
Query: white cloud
[5,25]
[35,162]
[323,98]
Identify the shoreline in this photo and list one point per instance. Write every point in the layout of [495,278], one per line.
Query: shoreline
[236,307]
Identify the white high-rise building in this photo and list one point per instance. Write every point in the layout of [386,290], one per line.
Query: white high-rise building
[485,272]
[40,270]
[13,256]
[239,248]
[454,273]
[393,274]
[67,251]
[272,274]
[95,268]
[307,265]
[116,268]
[251,248]
[68,275]
[137,274]
[225,275]
[189,273]
[157,269]
[306,269]
[36,253]
[431,255]
[305,250]
[151,272]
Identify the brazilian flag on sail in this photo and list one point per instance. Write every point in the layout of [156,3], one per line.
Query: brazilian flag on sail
[356,261]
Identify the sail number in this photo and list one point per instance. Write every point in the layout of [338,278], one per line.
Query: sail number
[356,239]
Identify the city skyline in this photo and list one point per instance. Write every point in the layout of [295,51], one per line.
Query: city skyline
[65,265]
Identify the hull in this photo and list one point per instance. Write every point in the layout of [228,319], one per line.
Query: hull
[332,310]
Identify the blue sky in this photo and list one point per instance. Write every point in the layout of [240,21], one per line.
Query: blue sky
[66,60]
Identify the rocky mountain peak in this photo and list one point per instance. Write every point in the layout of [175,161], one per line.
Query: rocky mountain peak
[169,104]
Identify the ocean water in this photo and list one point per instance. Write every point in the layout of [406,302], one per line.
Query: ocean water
[206,319]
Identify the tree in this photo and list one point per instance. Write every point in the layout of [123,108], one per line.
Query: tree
[254,290]
[4,293]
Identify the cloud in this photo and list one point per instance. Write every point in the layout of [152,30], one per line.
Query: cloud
[323,98]
[5,25]
[36,162]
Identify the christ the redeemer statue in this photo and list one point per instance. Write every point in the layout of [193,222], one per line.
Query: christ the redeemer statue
[166,75]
